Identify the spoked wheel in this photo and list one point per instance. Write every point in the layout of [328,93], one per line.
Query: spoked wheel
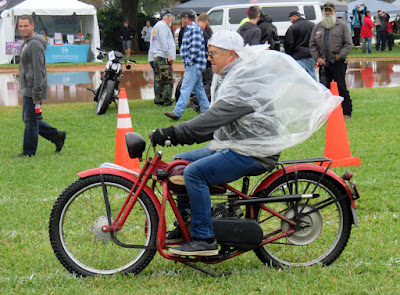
[76,228]
[322,233]
[105,97]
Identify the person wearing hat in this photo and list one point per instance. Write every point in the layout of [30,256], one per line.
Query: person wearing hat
[253,108]
[127,34]
[211,166]
[297,41]
[194,58]
[330,43]
[163,53]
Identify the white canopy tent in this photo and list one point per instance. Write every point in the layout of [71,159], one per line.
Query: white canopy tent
[87,13]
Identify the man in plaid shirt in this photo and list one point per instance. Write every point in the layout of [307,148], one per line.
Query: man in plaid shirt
[194,59]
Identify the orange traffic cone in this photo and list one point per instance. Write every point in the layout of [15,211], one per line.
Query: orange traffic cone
[336,141]
[124,125]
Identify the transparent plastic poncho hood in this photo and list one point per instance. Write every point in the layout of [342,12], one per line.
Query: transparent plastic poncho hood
[289,106]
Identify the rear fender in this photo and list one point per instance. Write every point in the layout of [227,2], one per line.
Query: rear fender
[305,167]
[113,169]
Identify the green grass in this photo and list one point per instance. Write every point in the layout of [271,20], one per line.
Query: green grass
[28,188]
[395,53]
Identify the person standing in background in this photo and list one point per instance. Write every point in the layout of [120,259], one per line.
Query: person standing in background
[163,53]
[249,31]
[146,34]
[127,34]
[389,32]
[33,87]
[380,28]
[366,32]
[330,43]
[297,41]
[357,22]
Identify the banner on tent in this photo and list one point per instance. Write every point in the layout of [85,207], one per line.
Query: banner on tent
[66,53]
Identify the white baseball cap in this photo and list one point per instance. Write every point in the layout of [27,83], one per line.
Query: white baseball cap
[227,40]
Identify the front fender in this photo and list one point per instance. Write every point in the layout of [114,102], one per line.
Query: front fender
[304,167]
[120,171]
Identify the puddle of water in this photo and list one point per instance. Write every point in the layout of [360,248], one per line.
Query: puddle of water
[71,87]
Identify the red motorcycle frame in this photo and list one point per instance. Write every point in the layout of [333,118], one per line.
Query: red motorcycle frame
[309,206]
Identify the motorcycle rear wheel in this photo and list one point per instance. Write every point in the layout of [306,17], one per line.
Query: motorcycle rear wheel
[76,223]
[327,231]
[105,98]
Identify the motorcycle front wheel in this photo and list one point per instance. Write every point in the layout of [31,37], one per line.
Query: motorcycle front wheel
[76,224]
[325,221]
[105,98]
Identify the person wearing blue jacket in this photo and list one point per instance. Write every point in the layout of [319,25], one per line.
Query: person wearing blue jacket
[357,22]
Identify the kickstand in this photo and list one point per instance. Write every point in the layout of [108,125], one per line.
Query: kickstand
[205,270]
[115,101]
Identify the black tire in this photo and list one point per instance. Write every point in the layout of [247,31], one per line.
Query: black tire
[320,243]
[75,228]
[105,97]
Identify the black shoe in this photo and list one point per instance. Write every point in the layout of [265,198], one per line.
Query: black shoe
[24,156]
[60,140]
[172,115]
[174,236]
[196,247]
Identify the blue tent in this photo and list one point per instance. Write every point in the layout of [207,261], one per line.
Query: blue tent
[374,6]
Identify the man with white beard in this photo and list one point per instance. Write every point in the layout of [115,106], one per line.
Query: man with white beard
[330,43]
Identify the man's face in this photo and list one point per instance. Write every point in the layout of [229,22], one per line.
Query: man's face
[219,58]
[125,25]
[148,24]
[328,11]
[25,28]
[185,21]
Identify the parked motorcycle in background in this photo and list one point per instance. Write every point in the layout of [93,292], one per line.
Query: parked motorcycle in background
[108,91]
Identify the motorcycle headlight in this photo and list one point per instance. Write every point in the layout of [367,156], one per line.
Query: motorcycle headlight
[135,144]
[114,67]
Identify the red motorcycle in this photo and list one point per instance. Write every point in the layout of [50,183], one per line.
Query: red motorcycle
[113,220]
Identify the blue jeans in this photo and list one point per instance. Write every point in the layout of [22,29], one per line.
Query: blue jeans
[309,65]
[369,41]
[210,168]
[34,128]
[192,82]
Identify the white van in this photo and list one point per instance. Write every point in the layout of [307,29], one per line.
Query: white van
[228,17]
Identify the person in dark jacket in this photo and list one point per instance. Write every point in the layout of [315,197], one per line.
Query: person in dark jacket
[380,28]
[296,42]
[330,43]
[33,87]
[249,31]
[127,34]
[269,32]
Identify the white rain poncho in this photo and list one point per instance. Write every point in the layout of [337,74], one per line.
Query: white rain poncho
[289,106]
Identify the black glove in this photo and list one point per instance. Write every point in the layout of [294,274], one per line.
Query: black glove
[161,135]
